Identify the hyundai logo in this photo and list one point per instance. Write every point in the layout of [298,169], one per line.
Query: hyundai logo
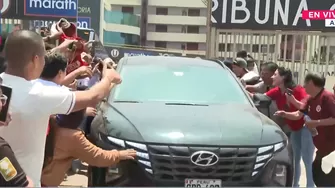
[204,158]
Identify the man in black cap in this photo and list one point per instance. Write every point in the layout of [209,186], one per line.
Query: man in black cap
[241,71]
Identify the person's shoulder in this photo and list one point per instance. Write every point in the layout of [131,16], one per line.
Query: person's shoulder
[40,89]
[275,89]
[327,94]
[299,89]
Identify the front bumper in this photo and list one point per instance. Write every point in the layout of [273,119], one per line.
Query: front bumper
[162,165]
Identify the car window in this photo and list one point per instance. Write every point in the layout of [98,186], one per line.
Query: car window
[182,83]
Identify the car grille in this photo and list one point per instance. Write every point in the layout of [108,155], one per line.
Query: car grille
[235,165]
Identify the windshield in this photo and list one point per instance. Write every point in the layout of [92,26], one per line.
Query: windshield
[178,84]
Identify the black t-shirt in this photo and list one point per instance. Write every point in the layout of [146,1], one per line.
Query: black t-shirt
[11,173]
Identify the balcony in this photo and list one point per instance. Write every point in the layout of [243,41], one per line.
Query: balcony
[177,20]
[121,18]
[176,37]
[121,28]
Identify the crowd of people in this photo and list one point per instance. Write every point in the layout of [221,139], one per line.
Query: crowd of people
[54,92]
[307,111]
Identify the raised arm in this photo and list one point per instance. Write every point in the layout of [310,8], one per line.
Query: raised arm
[58,100]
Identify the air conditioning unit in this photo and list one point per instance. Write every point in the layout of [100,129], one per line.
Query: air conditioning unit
[184,13]
[183,29]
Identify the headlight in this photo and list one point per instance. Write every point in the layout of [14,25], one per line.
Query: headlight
[264,155]
[141,151]
[280,174]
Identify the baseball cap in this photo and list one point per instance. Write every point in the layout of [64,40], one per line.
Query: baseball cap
[241,62]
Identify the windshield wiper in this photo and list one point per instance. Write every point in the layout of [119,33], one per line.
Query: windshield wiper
[120,101]
[186,104]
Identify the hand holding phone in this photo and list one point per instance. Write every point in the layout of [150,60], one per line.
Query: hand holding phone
[5,97]
[289,91]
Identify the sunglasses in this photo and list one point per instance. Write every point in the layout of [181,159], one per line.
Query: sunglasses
[3,99]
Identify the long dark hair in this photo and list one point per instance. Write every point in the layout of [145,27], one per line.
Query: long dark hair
[288,77]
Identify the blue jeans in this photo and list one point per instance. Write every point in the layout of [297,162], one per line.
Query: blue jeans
[303,147]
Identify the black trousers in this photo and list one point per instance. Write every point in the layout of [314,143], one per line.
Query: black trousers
[320,178]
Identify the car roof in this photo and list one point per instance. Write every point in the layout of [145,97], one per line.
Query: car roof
[168,60]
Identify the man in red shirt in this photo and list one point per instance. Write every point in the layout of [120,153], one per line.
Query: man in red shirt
[320,107]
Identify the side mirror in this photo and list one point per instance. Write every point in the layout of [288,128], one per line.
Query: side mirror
[262,101]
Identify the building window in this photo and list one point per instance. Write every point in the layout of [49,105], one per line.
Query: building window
[222,47]
[161,28]
[193,12]
[255,48]
[121,18]
[111,38]
[161,11]
[160,44]
[192,29]
[192,46]
[184,29]
[184,12]
[128,10]
[183,46]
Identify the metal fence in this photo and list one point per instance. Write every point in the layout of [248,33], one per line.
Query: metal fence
[301,51]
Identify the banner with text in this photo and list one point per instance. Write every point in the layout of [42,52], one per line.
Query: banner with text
[268,14]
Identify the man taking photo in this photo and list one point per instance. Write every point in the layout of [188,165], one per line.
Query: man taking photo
[33,103]
[319,112]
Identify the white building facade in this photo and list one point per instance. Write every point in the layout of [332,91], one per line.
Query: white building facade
[178,26]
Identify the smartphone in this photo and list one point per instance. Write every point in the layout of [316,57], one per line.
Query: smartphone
[5,97]
[289,91]
[86,34]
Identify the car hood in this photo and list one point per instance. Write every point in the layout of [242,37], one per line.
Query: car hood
[175,124]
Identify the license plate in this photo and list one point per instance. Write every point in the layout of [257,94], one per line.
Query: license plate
[202,183]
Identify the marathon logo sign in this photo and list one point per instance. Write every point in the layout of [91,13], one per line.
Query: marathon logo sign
[82,23]
[51,8]
[268,14]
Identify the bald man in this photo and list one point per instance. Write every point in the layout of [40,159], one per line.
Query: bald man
[32,102]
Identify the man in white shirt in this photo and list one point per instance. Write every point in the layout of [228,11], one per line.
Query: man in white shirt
[32,103]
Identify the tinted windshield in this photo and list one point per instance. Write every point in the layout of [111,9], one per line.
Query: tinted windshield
[184,84]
